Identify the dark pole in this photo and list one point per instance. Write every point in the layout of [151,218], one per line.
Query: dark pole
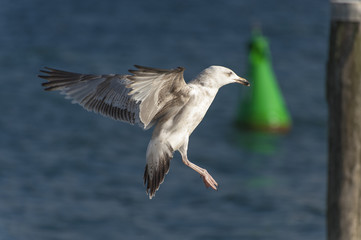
[344,105]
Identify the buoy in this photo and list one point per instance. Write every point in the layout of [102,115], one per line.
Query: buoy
[263,107]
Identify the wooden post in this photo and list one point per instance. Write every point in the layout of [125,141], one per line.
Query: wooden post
[344,105]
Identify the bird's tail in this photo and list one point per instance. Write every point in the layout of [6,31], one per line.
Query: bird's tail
[159,155]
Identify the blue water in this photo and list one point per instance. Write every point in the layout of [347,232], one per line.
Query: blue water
[69,174]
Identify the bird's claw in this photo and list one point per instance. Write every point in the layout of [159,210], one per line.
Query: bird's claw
[209,181]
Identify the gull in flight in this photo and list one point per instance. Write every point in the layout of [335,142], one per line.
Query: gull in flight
[149,97]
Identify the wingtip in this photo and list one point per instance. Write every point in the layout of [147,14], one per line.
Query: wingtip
[48,71]
[46,77]
[150,196]
[44,69]
[140,67]
[132,71]
[181,69]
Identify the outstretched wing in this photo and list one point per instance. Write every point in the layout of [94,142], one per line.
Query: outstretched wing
[159,91]
[139,98]
[104,94]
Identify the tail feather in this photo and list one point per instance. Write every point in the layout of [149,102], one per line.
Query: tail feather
[158,162]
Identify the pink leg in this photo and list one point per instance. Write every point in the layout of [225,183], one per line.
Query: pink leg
[207,178]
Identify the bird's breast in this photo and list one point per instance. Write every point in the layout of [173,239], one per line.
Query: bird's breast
[178,127]
[194,110]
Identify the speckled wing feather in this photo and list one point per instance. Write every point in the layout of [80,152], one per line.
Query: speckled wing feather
[157,90]
[104,94]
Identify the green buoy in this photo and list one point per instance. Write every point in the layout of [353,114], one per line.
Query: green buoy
[263,108]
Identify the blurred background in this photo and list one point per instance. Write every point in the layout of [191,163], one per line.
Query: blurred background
[67,174]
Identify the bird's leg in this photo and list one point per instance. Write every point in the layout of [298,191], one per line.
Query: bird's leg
[207,178]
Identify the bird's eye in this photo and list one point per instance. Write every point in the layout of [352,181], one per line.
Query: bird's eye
[229,74]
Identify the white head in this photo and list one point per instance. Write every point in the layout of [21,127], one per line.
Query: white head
[218,76]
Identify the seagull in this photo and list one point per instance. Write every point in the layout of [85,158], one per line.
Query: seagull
[149,97]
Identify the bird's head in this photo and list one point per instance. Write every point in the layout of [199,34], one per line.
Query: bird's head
[219,76]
